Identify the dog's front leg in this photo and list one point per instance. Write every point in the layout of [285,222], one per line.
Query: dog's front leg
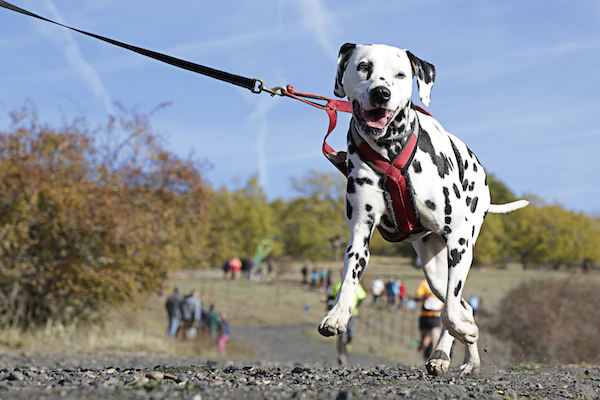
[361,218]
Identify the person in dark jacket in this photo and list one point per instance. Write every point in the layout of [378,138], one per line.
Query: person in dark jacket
[174,312]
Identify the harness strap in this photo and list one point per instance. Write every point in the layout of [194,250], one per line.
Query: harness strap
[400,203]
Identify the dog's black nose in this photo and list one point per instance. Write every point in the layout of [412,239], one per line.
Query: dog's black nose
[380,96]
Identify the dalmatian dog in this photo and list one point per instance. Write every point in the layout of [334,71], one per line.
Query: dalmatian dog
[447,184]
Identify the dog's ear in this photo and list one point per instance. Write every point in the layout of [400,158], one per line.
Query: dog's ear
[343,58]
[425,74]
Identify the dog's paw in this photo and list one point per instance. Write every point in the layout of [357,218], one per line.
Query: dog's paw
[438,363]
[331,326]
[469,368]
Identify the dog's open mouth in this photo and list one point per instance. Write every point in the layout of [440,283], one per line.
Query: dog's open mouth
[377,118]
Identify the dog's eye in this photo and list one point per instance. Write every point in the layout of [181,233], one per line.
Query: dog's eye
[401,75]
[363,67]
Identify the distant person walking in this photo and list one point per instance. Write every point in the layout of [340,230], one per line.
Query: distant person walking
[304,275]
[430,324]
[344,344]
[191,313]
[212,322]
[225,334]
[173,306]
[377,289]
[235,266]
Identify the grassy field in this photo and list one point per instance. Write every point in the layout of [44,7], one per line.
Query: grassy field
[390,335]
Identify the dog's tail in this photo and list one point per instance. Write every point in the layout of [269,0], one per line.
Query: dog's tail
[508,207]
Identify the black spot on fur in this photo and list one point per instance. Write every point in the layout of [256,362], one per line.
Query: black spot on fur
[462,241]
[417,166]
[362,262]
[430,204]
[448,220]
[363,181]
[472,186]
[350,166]
[473,232]
[468,201]
[465,184]
[368,207]
[456,191]
[474,204]
[454,258]
[447,229]
[457,288]
[448,206]
[440,161]
[475,167]
[348,209]
[350,188]
[461,171]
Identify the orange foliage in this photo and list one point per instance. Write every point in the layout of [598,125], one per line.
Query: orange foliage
[90,218]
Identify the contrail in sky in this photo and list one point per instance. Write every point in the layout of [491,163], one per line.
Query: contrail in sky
[89,76]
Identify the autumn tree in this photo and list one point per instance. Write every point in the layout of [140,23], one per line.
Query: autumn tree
[90,218]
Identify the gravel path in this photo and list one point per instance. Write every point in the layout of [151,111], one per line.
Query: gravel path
[107,375]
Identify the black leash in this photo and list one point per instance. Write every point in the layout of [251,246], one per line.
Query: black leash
[254,85]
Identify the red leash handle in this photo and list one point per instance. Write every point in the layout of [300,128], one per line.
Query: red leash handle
[338,158]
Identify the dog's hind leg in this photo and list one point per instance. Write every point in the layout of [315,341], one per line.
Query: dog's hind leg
[433,253]
[458,315]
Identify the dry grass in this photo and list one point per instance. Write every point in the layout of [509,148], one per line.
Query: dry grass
[389,335]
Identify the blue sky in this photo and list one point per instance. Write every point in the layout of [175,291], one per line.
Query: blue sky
[517,81]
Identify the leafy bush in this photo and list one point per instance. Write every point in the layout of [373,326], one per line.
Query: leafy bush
[552,321]
[90,218]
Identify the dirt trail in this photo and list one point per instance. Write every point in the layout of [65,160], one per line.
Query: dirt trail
[293,345]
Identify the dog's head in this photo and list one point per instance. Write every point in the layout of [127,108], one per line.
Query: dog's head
[378,82]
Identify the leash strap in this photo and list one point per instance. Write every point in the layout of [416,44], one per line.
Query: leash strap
[255,85]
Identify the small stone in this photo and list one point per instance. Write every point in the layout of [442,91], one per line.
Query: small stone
[344,395]
[16,376]
[111,371]
[155,375]
[169,376]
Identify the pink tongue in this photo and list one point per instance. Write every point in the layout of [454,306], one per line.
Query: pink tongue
[377,118]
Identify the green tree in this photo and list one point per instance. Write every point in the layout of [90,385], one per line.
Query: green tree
[313,226]
[237,222]
[551,235]
[494,243]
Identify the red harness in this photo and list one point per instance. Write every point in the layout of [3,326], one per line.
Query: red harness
[399,200]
